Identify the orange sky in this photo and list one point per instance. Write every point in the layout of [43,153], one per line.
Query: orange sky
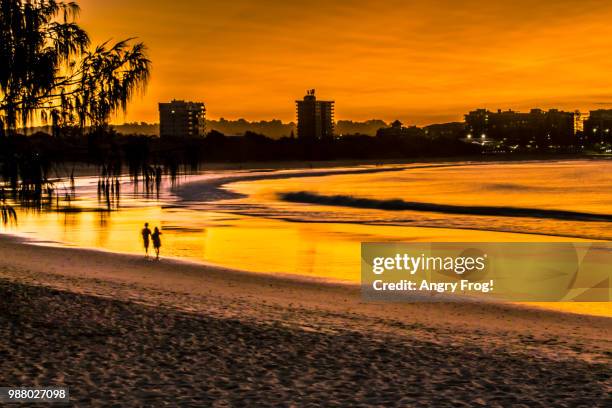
[419,61]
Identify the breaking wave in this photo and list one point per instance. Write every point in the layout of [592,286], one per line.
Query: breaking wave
[401,205]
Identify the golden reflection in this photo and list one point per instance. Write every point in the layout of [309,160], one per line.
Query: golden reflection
[327,250]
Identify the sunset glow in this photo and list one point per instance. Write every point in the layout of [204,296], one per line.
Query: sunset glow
[373,203]
[420,61]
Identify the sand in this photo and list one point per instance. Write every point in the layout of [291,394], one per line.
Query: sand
[118,329]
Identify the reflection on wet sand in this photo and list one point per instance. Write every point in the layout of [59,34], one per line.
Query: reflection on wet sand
[252,233]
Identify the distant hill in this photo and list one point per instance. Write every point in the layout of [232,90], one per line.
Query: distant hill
[273,128]
[136,128]
[369,127]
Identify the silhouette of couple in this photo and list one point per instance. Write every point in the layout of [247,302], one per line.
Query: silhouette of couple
[155,236]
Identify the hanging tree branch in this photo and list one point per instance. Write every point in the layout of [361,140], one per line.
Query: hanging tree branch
[47,67]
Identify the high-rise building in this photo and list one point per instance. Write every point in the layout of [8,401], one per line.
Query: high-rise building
[315,118]
[182,119]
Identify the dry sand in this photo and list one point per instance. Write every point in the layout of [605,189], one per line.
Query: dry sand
[118,329]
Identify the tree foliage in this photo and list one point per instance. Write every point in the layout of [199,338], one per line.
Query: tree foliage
[48,71]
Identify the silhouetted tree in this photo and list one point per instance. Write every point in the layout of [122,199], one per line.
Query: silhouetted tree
[46,68]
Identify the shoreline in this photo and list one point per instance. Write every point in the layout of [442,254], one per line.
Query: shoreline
[94,268]
[220,188]
[576,308]
[199,187]
[90,169]
[297,279]
[117,327]
[213,189]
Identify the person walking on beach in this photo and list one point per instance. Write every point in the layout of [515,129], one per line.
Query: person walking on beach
[146,233]
[156,242]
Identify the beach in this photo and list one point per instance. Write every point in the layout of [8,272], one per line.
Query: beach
[119,329]
[322,204]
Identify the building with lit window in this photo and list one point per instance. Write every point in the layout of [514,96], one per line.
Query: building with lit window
[450,131]
[537,127]
[598,127]
[182,119]
[315,119]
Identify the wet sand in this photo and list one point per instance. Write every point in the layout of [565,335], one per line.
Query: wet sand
[118,329]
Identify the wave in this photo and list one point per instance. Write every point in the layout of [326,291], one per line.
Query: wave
[306,197]
[213,189]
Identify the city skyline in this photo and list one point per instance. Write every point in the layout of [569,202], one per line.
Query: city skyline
[422,63]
